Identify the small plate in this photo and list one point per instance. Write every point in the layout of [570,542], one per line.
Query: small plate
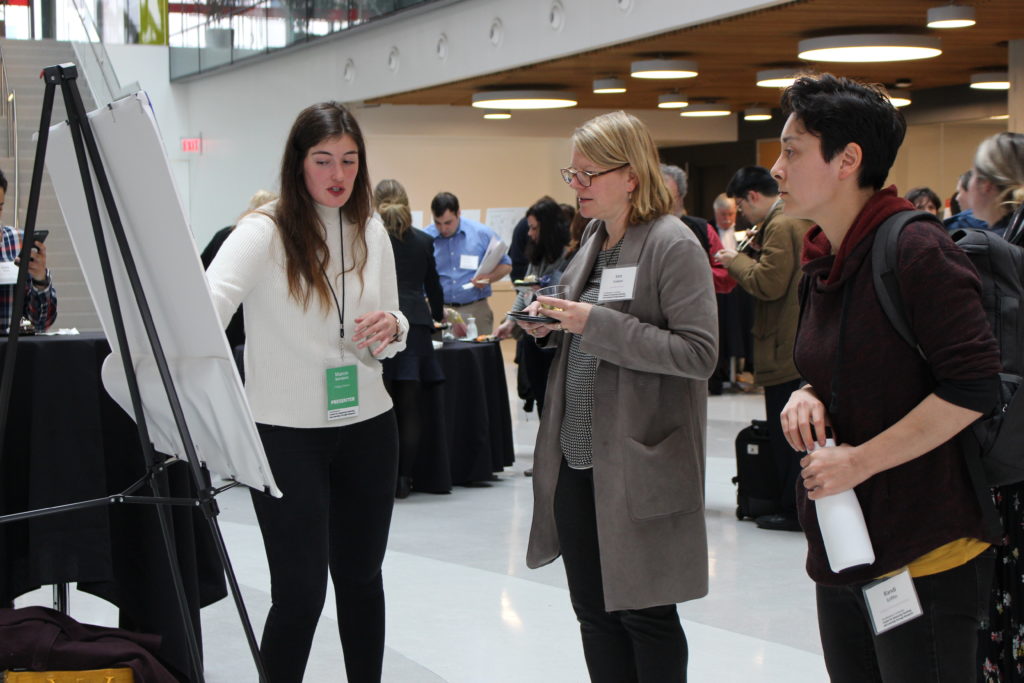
[526,317]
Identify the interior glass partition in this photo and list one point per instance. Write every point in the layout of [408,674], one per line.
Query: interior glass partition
[206,34]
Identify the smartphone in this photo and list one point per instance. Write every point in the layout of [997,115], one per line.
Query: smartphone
[40,235]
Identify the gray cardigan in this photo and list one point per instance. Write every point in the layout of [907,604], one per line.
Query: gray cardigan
[655,354]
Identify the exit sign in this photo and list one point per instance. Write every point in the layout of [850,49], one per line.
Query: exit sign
[192,145]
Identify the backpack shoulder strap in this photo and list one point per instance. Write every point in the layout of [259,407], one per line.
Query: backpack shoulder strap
[884,262]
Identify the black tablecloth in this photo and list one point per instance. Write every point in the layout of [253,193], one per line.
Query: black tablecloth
[68,441]
[468,435]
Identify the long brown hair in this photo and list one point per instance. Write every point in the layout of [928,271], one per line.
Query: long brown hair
[302,233]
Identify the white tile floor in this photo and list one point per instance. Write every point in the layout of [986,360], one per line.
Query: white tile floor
[463,607]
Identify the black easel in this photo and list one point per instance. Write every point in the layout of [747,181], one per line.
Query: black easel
[65,76]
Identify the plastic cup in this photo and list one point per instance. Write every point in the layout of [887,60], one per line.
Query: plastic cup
[555,291]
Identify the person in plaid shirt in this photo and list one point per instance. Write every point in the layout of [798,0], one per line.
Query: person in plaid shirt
[40,295]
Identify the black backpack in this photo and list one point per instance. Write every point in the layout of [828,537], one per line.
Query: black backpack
[999,436]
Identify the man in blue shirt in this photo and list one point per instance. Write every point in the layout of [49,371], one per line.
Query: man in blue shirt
[459,247]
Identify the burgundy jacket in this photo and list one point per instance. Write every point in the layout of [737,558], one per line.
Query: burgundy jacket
[877,379]
[40,639]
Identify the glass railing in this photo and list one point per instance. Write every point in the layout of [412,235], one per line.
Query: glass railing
[207,34]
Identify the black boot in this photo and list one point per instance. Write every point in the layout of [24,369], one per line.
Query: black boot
[404,487]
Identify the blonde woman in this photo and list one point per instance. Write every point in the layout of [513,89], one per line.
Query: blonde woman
[618,478]
[422,301]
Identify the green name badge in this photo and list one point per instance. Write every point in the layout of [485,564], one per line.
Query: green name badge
[342,392]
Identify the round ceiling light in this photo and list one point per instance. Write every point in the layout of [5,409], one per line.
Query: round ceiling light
[609,86]
[757,114]
[672,101]
[991,80]
[899,97]
[776,78]
[869,47]
[705,110]
[498,114]
[663,68]
[524,99]
[950,16]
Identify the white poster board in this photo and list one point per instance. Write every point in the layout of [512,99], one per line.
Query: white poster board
[207,382]
[503,221]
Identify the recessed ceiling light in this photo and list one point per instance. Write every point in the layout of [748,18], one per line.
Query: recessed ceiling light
[704,110]
[950,16]
[869,47]
[609,86]
[672,101]
[663,68]
[899,97]
[776,78]
[991,80]
[524,99]
[757,114]
[498,114]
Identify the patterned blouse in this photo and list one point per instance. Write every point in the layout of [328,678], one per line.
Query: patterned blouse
[575,435]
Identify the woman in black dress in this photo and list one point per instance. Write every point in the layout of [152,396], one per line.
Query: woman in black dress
[405,374]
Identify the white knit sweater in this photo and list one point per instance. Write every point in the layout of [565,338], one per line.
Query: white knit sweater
[288,349]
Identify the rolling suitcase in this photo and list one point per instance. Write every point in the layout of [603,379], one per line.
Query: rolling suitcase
[756,479]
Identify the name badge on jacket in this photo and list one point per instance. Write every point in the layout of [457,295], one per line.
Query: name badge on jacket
[617,284]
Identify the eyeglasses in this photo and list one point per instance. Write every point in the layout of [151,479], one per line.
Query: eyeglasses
[584,178]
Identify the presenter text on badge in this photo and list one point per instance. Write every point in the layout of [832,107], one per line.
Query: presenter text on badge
[571,315]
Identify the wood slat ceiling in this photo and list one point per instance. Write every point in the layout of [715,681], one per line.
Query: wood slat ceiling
[730,52]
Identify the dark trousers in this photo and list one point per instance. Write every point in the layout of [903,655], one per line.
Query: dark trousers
[537,362]
[787,461]
[339,489]
[627,646]
[408,396]
[937,647]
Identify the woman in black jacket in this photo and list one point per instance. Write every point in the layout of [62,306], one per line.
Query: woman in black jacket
[405,374]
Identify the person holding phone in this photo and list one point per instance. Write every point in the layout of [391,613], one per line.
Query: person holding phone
[40,295]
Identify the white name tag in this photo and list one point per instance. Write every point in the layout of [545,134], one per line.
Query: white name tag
[892,602]
[469,262]
[617,284]
[8,273]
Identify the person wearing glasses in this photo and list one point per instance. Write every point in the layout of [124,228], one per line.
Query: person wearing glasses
[618,478]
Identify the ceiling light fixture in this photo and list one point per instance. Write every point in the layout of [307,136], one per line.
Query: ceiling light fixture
[672,101]
[705,110]
[609,86]
[777,78]
[950,16]
[899,97]
[524,99]
[869,47]
[498,114]
[757,114]
[1000,117]
[991,80]
[663,68]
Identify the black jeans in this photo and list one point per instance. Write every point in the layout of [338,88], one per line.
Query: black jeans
[787,461]
[939,646]
[339,490]
[643,645]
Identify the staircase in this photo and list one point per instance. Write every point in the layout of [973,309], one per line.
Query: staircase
[24,61]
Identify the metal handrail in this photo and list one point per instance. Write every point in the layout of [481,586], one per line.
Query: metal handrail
[10,114]
[112,86]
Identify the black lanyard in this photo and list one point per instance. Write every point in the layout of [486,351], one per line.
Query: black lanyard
[340,307]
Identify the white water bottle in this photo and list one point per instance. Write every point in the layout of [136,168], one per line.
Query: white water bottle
[471,332]
[841,521]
